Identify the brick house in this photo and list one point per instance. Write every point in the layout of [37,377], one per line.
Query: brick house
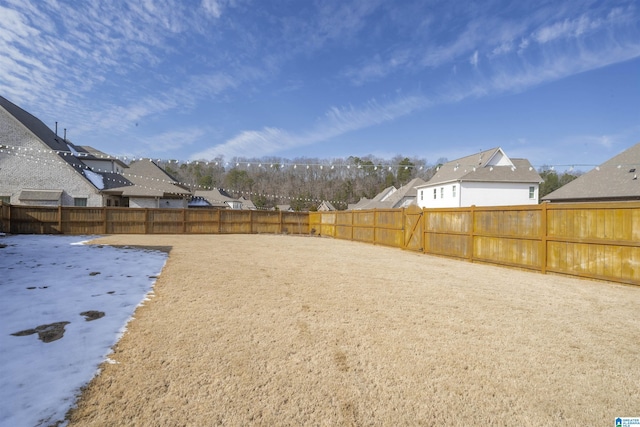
[40,167]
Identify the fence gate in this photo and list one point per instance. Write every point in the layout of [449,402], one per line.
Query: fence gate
[413,229]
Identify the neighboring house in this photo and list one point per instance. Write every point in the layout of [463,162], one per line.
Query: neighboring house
[489,178]
[376,202]
[152,188]
[326,206]
[215,198]
[39,167]
[391,197]
[406,195]
[614,180]
[247,204]
[284,208]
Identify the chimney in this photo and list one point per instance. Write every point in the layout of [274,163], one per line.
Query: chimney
[65,134]
[56,128]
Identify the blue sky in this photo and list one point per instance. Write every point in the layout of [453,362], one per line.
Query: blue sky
[557,82]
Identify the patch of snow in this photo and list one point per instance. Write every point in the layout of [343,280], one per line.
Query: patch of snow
[199,202]
[95,178]
[73,150]
[48,279]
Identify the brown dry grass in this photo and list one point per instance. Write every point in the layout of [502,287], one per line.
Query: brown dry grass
[280,330]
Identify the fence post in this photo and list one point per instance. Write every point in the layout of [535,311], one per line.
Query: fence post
[404,236]
[423,218]
[543,238]
[146,221]
[184,221]
[472,229]
[219,221]
[375,225]
[60,219]
[104,220]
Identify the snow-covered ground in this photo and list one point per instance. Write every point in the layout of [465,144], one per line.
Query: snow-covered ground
[49,279]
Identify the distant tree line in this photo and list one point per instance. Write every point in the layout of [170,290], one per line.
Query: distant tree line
[303,183]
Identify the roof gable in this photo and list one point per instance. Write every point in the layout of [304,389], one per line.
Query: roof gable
[487,166]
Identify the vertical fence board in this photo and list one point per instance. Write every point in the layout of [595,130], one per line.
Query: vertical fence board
[593,240]
[5,218]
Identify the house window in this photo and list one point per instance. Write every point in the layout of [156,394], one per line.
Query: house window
[442,192]
[421,195]
[79,201]
[454,191]
[435,193]
[5,199]
[532,192]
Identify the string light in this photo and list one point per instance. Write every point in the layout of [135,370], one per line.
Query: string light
[18,151]
[124,182]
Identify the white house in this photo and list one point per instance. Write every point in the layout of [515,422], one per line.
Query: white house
[489,178]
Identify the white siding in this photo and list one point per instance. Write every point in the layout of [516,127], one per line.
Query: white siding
[497,194]
[476,193]
[444,196]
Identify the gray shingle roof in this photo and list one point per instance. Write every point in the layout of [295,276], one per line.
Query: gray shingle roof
[615,179]
[482,167]
[149,180]
[216,197]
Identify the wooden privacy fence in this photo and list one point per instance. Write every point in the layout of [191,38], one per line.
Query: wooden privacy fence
[82,220]
[597,240]
[5,215]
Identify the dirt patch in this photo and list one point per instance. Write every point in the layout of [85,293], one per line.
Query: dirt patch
[92,315]
[46,333]
[279,330]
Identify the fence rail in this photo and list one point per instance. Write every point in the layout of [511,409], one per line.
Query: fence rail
[592,240]
[112,220]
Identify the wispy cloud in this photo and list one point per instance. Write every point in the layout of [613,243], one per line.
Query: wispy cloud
[473,60]
[336,121]
[172,140]
[212,7]
[378,68]
[59,47]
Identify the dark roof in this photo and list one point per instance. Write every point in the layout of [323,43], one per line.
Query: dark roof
[615,179]
[46,135]
[67,151]
[487,166]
